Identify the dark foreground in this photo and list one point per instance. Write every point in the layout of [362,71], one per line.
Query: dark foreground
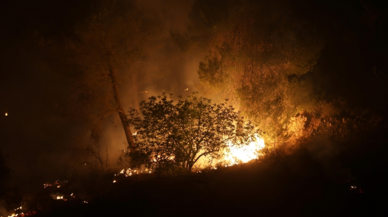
[308,182]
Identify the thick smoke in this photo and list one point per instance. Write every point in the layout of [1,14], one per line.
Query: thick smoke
[39,143]
[166,69]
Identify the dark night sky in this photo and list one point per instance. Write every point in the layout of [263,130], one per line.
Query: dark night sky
[33,136]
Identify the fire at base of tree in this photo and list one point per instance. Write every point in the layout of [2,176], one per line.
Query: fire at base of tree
[172,137]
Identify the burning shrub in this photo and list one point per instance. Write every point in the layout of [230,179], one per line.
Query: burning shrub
[173,136]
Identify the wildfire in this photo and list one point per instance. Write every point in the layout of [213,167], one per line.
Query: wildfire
[234,155]
[164,157]
[130,172]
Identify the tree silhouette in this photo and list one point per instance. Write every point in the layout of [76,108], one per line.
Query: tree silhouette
[180,133]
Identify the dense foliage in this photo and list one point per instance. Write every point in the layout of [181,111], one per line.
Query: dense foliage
[180,133]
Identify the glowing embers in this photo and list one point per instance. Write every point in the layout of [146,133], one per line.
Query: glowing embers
[59,197]
[130,172]
[235,154]
[18,212]
[46,185]
[57,183]
[163,157]
[126,173]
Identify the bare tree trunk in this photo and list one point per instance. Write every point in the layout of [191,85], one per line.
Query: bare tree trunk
[120,110]
[135,91]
